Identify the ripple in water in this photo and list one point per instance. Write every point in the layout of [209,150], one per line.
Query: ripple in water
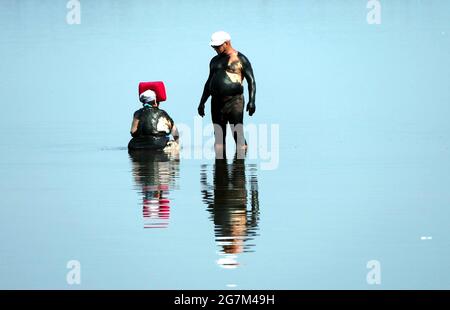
[231,199]
[156,175]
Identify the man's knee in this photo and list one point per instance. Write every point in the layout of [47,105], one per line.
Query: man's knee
[219,133]
[219,149]
[238,133]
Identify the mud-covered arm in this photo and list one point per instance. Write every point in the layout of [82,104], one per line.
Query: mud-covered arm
[134,131]
[206,92]
[248,75]
[175,133]
[173,128]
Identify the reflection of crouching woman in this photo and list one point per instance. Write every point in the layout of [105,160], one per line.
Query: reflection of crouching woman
[152,126]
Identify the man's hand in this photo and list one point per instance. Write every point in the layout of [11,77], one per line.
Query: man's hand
[201,110]
[251,108]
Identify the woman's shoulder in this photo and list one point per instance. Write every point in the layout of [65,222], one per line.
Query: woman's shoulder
[138,113]
[166,115]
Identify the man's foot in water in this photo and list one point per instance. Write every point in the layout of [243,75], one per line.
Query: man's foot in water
[241,151]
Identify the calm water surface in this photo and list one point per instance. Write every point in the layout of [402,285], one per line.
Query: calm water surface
[364,148]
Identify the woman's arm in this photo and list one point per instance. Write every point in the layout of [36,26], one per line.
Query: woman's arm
[175,133]
[134,127]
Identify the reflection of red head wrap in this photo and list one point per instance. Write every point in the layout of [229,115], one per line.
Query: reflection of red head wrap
[158,87]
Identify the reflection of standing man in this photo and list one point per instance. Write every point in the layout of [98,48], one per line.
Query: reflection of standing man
[234,225]
[227,71]
[155,172]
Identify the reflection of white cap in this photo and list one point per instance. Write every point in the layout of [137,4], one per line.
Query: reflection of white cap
[219,37]
[148,96]
[228,261]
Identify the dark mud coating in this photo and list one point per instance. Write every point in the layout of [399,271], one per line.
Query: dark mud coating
[224,84]
[148,143]
[149,134]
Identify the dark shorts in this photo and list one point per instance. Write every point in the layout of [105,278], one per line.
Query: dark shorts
[228,110]
[148,143]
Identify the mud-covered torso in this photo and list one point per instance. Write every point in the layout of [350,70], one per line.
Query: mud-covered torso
[153,122]
[227,75]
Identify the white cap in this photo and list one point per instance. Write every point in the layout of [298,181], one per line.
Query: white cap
[219,37]
[148,96]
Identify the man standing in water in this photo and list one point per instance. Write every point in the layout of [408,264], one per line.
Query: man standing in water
[227,71]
